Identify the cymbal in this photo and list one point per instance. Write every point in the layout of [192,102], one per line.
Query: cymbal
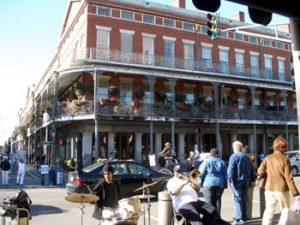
[144,196]
[146,185]
[81,198]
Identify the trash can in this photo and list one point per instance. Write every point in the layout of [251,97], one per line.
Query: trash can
[165,209]
[52,177]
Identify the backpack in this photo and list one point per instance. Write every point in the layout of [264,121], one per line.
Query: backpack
[23,201]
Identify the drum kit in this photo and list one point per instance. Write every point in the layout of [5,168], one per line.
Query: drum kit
[82,198]
[129,208]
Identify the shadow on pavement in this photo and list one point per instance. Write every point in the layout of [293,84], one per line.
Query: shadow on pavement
[258,221]
[44,209]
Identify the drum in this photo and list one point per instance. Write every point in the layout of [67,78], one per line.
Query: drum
[129,208]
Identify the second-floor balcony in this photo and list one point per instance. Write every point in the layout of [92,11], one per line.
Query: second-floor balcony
[188,64]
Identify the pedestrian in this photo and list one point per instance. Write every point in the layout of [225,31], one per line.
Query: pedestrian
[20,172]
[246,150]
[190,161]
[165,152]
[5,167]
[240,174]
[213,179]
[185,200]
[279,180]
[108,192]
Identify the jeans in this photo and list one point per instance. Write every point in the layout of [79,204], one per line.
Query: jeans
[240,197]
[192,212]
[213,195]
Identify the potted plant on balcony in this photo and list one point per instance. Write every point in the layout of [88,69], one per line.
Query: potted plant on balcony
[140,93]
[79,90]
[161,95]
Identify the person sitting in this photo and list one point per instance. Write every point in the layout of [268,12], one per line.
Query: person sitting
[108,192]
[185,201]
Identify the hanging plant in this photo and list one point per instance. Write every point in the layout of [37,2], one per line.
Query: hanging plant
[161,95]
[79,90]
[140,93]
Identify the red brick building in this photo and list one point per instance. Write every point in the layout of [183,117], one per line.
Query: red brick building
[129,76]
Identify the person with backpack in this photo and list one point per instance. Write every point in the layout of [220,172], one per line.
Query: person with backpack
[5,167]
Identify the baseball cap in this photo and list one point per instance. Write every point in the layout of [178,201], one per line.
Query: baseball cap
[177,169]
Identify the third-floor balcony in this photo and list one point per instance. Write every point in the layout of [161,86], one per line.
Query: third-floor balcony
[189,64]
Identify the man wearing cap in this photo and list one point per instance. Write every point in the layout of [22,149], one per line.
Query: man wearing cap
[108,192]
[185,200]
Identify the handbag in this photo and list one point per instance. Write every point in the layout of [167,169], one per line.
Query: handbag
[261,181]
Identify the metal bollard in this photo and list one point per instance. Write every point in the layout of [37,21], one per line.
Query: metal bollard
[165,209]
[262,201]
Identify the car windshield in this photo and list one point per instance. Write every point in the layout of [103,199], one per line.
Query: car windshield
[92,167]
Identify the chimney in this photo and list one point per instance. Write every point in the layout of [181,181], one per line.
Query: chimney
[239,16]
[179,3]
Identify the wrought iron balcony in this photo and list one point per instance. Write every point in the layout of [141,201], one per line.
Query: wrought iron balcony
[149,60]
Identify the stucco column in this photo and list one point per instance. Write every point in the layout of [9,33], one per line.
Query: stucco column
[111,145]
[180,147]
[86,148]
[138,147]
[73,147]
[157,144]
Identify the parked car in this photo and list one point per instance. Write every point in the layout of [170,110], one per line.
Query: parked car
[130,175]
[294,157]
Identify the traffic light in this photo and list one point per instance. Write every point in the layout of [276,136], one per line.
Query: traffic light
[213,30]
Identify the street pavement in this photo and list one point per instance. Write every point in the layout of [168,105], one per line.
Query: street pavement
[50,207]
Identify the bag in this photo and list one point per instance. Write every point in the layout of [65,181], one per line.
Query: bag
[288,217]
[261,181]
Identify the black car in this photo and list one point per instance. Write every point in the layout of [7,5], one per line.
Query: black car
[130,175]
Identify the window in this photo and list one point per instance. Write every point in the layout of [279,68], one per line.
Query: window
[268,67]
[190,98]
[223,34]
[188,49]
[148,49]
[126,15]
[254,64]
[103,42]
[169,23]
[267,42]
[204,29]
[148,19]
[238,36]
[241,102]
[103,11]
[147,96]
[223,58]
[102,90]
[239,58]
[206,57]
[188,26]
[126,93]
[281,71]
[256,100]
[126,46]
[169,53]
[279,45]
[253,39]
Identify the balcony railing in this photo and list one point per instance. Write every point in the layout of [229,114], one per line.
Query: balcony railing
[105,55]
[163,112]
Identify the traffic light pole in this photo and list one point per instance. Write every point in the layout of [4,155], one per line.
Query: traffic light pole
[295,31]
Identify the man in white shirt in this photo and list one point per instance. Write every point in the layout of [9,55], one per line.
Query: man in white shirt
[185,200]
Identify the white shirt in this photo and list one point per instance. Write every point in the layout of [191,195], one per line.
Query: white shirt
[187,193]
[21,167]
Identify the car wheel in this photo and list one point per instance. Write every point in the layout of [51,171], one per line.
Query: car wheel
[294,171]
[165,171]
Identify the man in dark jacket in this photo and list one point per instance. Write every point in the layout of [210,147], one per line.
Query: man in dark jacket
[240,174]
[5,167]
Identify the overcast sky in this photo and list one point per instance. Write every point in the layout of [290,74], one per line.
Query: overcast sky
[30,32]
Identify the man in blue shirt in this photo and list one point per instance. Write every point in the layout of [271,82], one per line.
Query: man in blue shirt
[240,174]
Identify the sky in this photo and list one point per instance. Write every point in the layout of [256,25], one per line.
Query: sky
[29,36]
